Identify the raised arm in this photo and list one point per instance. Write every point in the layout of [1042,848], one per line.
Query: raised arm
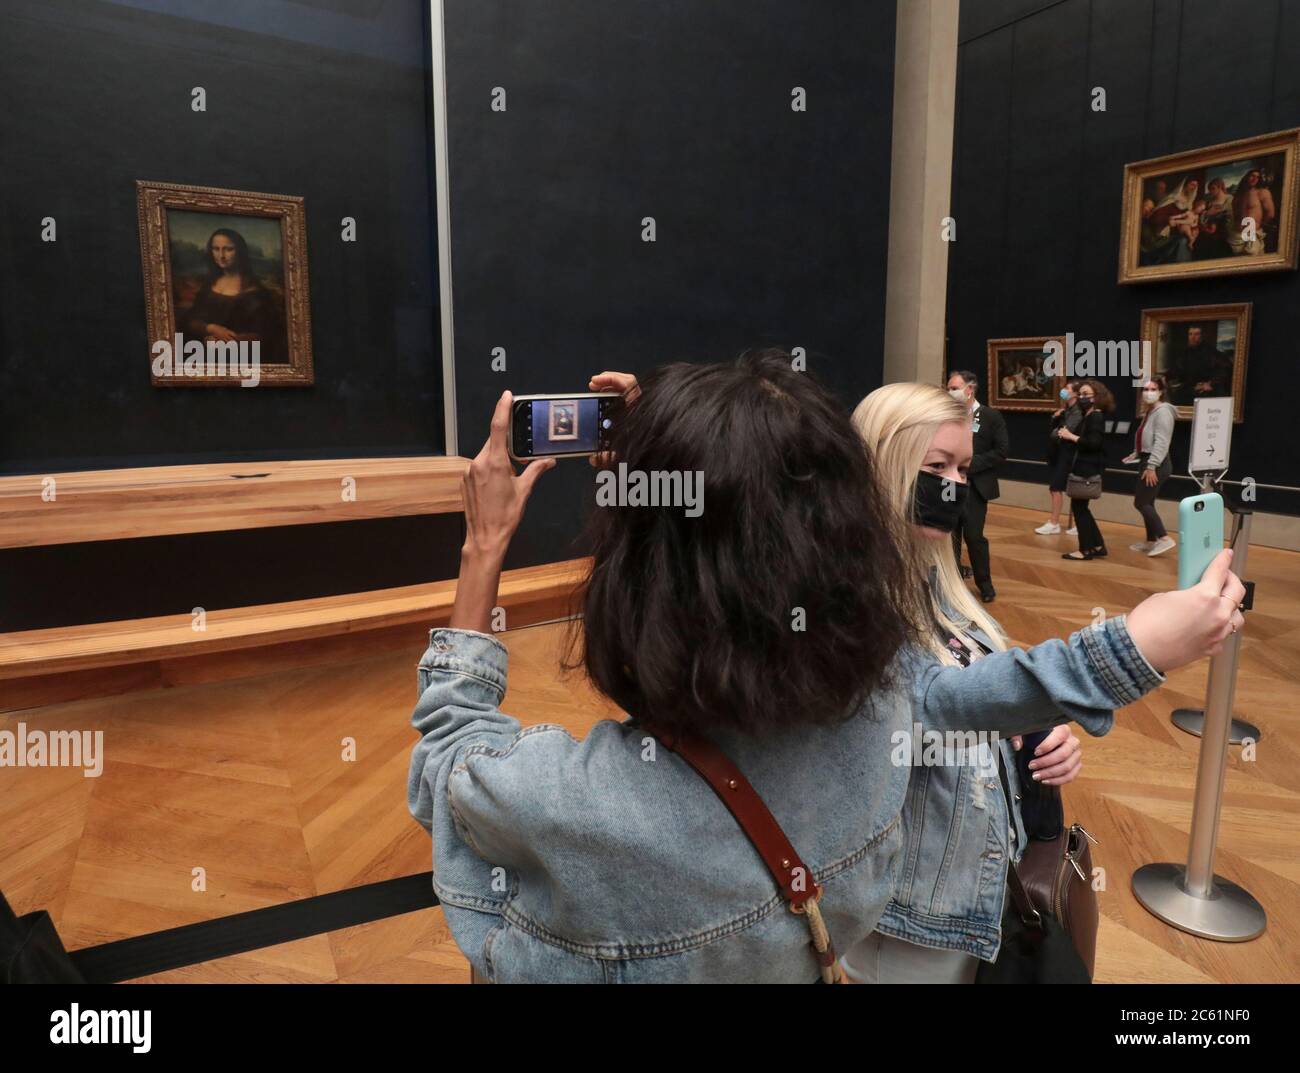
[462,678]
[1084,679]
[1098,669]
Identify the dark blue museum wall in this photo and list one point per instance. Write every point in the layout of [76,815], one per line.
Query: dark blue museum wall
[1037,182]
[325,99]
[772,225]
[97,95]
[772,229]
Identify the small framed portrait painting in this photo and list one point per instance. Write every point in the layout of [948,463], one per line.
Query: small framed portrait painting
[225,286]
[1201,352]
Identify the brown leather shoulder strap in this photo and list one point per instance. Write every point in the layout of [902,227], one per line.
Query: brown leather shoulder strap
[759,825]
[1021,900]
[792,876]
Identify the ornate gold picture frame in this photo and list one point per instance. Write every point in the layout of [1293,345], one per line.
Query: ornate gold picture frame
[225,286]
[1218,211]
[1201,351]
[1016,377]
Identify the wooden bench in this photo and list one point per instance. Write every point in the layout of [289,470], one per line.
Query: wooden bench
[98,659]
[119,504]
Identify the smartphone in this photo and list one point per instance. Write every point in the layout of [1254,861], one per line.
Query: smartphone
[562,426]
[1200,536]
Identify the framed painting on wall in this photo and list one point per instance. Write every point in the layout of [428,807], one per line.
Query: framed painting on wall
[1211,212]
[225,283]
[1201,351]
[1017,380]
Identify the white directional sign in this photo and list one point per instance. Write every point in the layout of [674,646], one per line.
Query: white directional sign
[1211,434]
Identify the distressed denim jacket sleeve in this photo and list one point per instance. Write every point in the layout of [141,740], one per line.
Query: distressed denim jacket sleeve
[1084,678]
[462,678]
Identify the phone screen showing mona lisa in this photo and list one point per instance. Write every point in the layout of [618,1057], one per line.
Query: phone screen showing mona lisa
[562,426]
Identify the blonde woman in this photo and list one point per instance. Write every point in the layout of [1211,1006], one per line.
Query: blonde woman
[962,823]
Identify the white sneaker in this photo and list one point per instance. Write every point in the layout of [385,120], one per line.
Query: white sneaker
[1161,546]
[1072,531]
[1048,529]
[1143,546]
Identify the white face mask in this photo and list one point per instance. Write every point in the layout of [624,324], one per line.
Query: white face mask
[1150,396]
[958,393]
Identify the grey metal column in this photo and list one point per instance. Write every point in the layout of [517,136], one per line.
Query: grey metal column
[1192,898]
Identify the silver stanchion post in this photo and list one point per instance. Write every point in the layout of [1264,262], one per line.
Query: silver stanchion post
[1192,720]
[1192,898]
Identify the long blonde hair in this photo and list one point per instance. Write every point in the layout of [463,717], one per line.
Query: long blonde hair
[898,423]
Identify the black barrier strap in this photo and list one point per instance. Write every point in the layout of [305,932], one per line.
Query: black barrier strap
[159,951]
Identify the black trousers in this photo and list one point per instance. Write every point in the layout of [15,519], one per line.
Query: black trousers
[1089,533]
[971,526]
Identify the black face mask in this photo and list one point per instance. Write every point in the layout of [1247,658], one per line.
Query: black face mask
[932,507]
[1085,404]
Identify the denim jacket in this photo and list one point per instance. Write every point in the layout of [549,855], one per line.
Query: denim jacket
[610,859]
[953,876]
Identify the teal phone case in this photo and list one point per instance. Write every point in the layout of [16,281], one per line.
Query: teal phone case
[1200,536]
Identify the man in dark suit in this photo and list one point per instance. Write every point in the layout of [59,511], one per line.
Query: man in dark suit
[989,452]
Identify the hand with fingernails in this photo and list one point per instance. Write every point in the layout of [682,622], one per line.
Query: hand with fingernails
[494,505]
[1172,629]
[625,384]
[1057,759]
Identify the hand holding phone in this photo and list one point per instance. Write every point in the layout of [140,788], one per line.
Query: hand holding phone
[494,505]
[1172,629]
[623,383]
[561,426]
[494,495]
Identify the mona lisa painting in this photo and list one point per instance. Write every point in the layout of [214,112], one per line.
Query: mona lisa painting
[225,279]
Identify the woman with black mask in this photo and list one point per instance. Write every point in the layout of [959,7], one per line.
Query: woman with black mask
[969,813]
[1095,402]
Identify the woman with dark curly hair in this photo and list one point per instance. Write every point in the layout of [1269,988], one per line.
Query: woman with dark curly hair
[767,624]
[1095,402]
[780,626]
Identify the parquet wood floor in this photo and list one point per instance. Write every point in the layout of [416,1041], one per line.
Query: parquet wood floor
[246,780]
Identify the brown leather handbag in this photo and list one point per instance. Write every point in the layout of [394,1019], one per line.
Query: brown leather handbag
[793,879]
[1055,877]
[1049,929]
